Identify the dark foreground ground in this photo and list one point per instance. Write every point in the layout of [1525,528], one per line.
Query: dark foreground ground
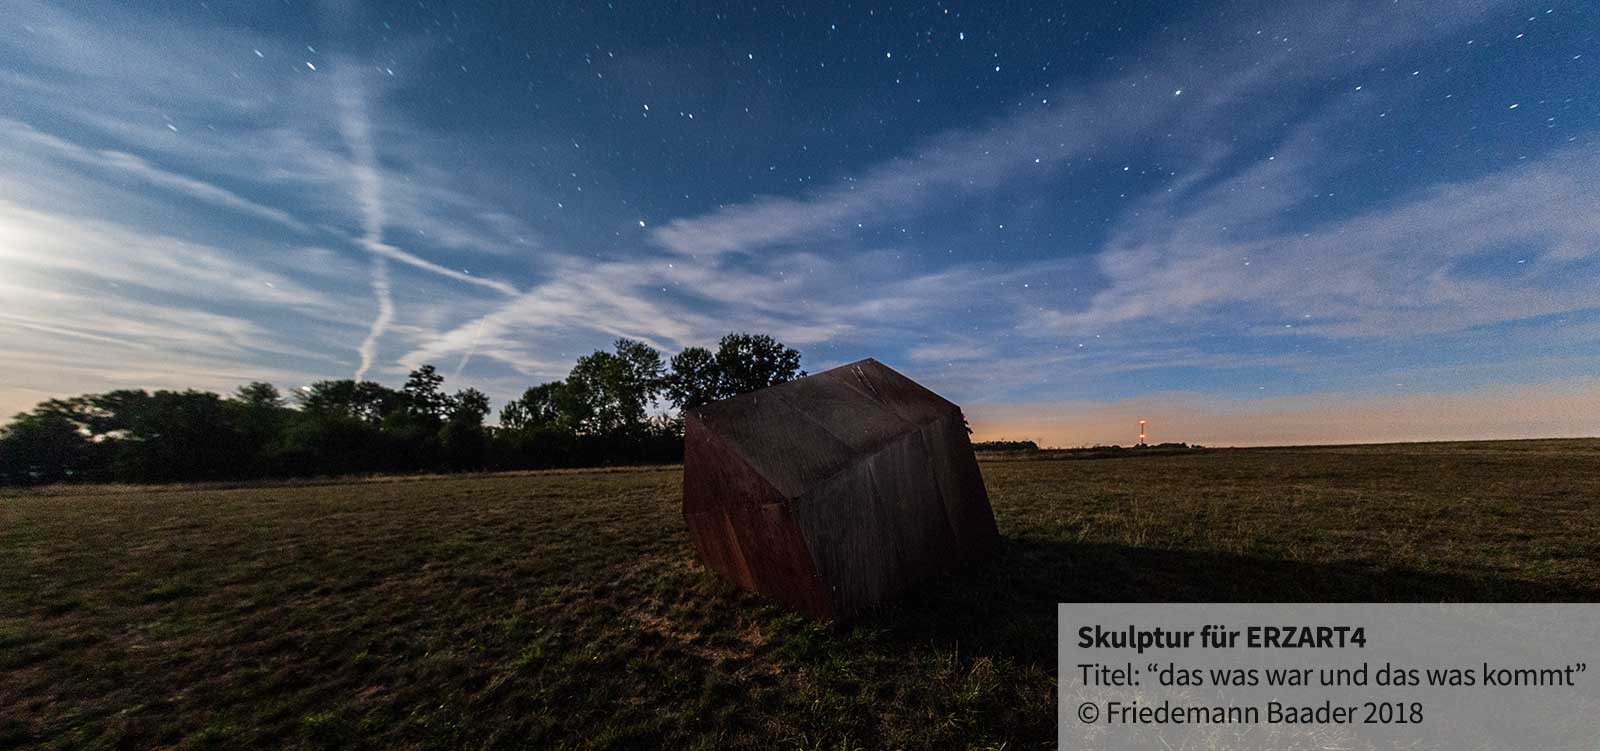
[566,610]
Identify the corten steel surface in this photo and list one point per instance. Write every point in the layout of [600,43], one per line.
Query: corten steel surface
[835,491]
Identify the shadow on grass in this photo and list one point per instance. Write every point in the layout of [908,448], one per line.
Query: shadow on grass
[1006,607]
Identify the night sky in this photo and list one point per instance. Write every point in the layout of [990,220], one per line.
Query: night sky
[1247,223]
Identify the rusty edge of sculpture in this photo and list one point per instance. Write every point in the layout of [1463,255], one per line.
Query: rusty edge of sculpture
[835,491]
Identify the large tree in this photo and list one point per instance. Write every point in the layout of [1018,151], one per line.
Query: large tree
[616,387]
[42,446]
[367,401]
[259,395]
[424,394]
[468,406]
[463,442]
[542,407]
[743,362]
[695,378]
[263,413]
[755,361]
[168,435]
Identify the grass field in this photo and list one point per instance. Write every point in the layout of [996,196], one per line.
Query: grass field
[566,610]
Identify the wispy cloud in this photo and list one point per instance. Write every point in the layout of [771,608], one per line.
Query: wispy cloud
[673,302]
[1158,96]
[1397,270]
[93,305]
[21,134]
[54,251]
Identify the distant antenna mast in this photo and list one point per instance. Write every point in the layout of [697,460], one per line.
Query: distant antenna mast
[1141,431]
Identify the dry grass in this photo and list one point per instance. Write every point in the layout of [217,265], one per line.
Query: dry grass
[565,610]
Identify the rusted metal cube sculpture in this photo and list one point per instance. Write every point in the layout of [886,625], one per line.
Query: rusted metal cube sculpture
[835,491]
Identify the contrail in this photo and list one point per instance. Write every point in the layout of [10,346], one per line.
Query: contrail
[357,132]
[356,128]
[380,288]
[385,249]
[476,334]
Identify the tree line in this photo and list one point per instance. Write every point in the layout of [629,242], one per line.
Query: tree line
[598,415]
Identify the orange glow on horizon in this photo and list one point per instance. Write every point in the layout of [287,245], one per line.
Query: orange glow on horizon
[1568,408]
